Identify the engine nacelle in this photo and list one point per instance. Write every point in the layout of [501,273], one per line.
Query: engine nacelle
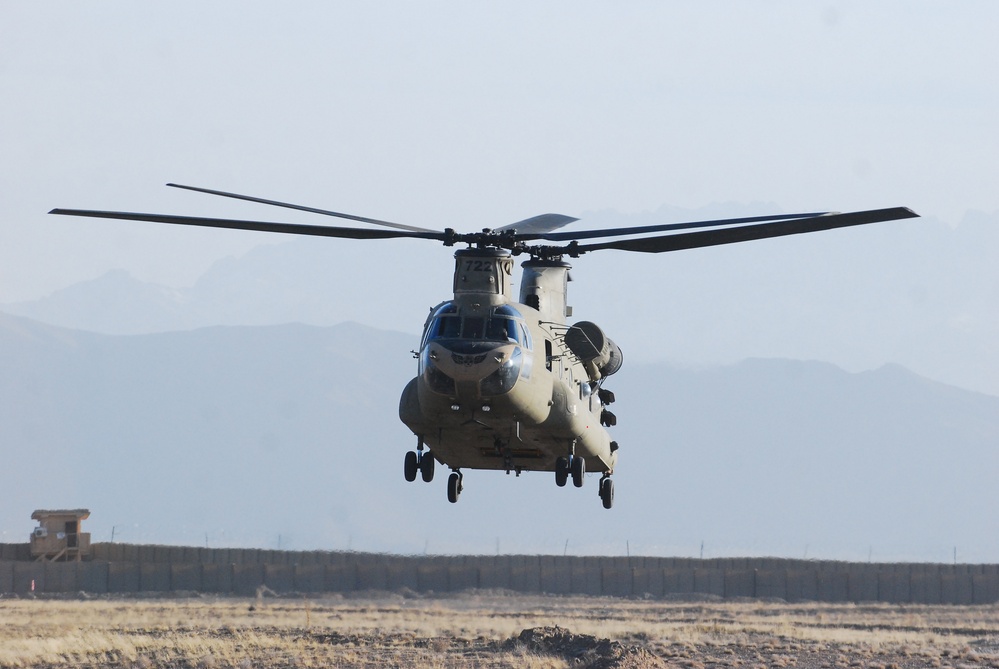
[601,356]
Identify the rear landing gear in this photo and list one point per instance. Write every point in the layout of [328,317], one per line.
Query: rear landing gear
[606,490]
[575,466]
[454,486]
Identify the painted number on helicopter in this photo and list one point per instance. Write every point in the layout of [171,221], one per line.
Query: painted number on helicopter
[478,266]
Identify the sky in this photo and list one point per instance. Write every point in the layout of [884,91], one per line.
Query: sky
[471,115]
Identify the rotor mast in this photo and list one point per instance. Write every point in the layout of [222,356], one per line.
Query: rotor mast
[482,276]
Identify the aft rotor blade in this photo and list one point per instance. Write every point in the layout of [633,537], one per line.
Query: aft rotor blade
[259,226]
[287,205]
[692,240]
[539,224]
[619,232]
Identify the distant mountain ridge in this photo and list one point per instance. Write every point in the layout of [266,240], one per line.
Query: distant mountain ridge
[827,296]
[288,435]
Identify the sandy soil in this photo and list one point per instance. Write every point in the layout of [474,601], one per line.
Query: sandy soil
[491,629]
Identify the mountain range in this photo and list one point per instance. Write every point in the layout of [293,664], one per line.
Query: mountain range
[918,293]
[288,436]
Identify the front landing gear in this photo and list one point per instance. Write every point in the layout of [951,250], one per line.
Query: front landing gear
[574,466]
[577,467]
[419,462]
[412,466]
[561,471]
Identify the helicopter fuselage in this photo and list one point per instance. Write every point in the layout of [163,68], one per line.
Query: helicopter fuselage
[498,387]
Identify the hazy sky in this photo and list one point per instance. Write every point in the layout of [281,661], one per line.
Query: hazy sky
[473,115]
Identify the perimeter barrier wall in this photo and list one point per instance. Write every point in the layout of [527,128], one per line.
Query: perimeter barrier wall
[125,569]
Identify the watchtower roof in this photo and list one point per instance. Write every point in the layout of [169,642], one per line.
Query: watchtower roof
[80,514]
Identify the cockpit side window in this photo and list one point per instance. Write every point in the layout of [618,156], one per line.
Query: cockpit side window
[525,336]
[444,322]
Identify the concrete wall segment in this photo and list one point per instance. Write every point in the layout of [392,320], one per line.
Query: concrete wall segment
[217,577]
[739,582]
[186,577]
[28,577]
[525,578]
[494,577]
[340,578]
[154,577]
[61,576]
[309,578]
[92,577]
[246,578]
[123,577]
[279,577]
[586,580]
[862,586]
[462,577]
[771,583]
[985,588]
[615,582]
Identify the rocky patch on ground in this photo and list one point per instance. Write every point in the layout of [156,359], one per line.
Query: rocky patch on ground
[583,650]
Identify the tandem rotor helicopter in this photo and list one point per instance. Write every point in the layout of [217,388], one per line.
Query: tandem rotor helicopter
[504,382]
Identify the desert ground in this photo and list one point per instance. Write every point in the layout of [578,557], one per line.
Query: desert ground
[488,629]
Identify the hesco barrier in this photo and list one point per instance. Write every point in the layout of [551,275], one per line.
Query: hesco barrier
[124,568]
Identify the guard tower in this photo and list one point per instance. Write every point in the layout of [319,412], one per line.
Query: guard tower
[58,535]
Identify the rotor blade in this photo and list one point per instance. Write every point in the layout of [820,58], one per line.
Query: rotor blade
[616,232]
[325,212]
[538,224]
[259,226]
[692,240]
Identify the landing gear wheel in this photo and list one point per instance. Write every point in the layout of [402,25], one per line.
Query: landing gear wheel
[427,467]
[607,492]
[577,466]
[453,487]
[412,464]
[561,471]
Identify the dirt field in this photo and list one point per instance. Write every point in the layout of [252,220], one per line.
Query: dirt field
[478,629]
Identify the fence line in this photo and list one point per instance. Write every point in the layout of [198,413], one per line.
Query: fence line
[125,568]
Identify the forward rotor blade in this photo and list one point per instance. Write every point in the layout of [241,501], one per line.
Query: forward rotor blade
[618,232]
[692,240]
[538,224]
[259,226]
[324,212]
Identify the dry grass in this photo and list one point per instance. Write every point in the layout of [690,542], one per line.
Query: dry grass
[475,630]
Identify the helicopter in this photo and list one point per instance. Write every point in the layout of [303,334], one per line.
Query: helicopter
[505,382]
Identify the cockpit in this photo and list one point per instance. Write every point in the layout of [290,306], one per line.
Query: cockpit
[491,349]
[504,325]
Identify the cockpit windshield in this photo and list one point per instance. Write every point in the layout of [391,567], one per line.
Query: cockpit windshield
[504,324]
